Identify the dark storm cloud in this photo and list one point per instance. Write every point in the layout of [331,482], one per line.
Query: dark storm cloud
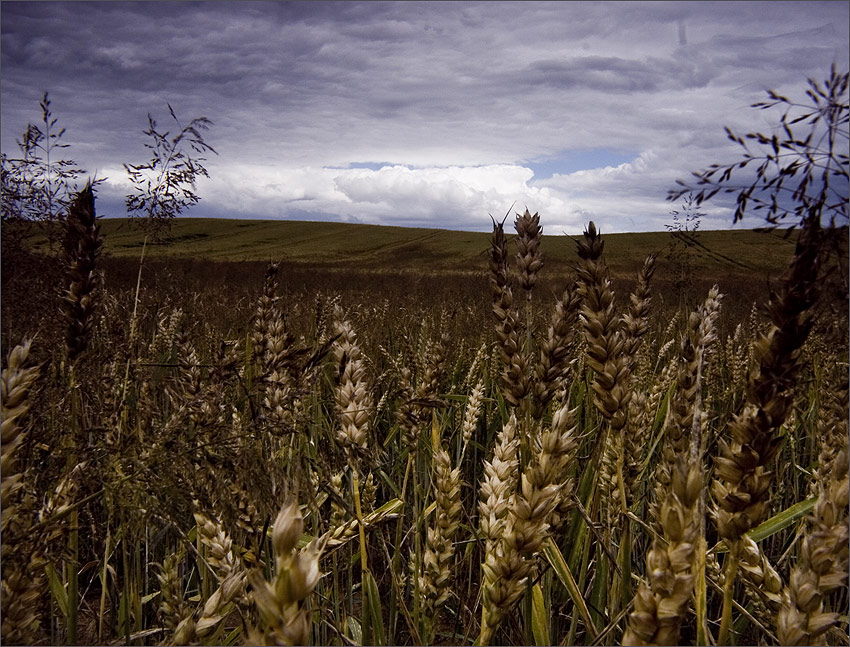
[453,96]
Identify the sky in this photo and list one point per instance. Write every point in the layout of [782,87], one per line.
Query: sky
[419,114]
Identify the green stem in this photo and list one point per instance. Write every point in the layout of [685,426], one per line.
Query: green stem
[700,594]
[397,554]
[731,571]
[73,583]
[104,578]
[72,564]
[364,564]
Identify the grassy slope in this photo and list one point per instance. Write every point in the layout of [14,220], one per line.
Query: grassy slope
[395,249]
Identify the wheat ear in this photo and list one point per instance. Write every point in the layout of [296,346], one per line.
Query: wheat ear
[82,246]
[282,604]
[510,560]
[741,489]
[823,563]
[515,373]
[22,580]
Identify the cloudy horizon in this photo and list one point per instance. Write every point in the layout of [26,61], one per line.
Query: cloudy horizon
[419,114]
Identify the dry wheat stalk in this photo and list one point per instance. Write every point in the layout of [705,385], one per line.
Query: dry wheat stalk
[660,606]
[173,609]
[605,354]
[339,514]
[471,415]
[822,567]
[204,622]
[762,583]
[219,547]
[552,368]
[339,536]
[353,394]
[369,493]
[529,259]
[542,486]
[82,245]
[475,367]
[17,381]
[435,368]
[22,580]
[435,580]
[679,509]
[684,429]
[635,322]
[499,484]
[282,604]
[743,478]
[515,373]
[264,313]
[605,345]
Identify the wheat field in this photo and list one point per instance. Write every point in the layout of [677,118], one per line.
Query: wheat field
[568,465]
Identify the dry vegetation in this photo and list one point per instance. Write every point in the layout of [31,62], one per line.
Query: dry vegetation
[427,464]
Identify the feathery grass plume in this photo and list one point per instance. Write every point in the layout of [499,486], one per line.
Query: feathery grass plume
[82,246]
[515,367]
[283,603]
[743,478]
[435,580]
[22,579]
[510,561]
[660,605]
[529,259]
[822,566]
[553,366]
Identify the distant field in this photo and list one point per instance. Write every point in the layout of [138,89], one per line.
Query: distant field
[397,249]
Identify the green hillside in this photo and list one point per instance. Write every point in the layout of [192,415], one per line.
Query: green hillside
[395,249]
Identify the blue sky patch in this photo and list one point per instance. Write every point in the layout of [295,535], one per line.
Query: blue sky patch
[570,161]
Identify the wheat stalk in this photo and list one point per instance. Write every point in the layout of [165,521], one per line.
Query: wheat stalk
[515,373]
[82,246]
[21,585]
[742,484]
[282,603]
[510,559]
[822,567]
